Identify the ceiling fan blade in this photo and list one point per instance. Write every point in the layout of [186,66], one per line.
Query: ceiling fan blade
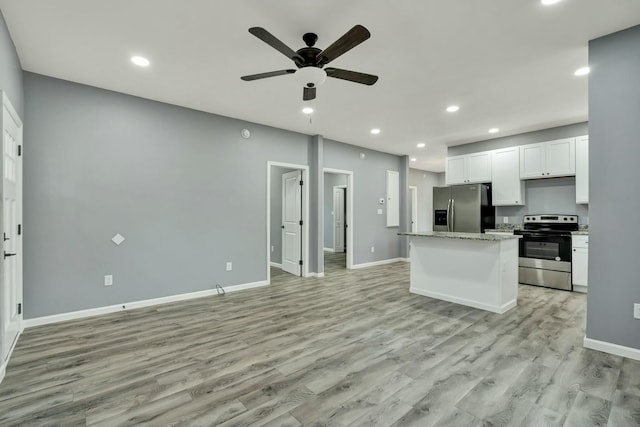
[275,43]
[348,41]
[352,76]
[309,93]
[265,75]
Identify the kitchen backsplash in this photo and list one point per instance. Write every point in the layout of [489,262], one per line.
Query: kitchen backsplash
[545,196]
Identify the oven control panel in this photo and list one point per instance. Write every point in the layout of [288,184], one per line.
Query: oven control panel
[551,219]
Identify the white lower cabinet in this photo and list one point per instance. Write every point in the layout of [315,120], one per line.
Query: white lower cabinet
[579,263]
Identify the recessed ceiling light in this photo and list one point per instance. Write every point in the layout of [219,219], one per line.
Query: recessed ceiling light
[413,159]
[452,108]
[375,131]
[549,2]
[494,130]
[421,145]
[582,71]
[307,110]
[140,61]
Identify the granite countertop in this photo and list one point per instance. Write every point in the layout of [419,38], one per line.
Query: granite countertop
[498,230]
[465,236]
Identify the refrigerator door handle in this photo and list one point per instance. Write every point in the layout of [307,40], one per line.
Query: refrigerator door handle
[453,212]
[449,215]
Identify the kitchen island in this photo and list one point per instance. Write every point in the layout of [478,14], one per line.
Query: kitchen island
[475,269]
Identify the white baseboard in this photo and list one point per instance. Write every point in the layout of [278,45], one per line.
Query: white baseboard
[275,264]
[500,309]
[404,259]
[578,288]
[3,371]
[374,263]
[329,250]
[607,347]
[315,274]
[55,318]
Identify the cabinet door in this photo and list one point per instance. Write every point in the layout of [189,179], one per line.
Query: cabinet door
[582,169]
[561,157]
[579,266]
[532,161]
[507,188]
[479,167]
[456,170]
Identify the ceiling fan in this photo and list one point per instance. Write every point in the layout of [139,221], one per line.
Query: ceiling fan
[310,60]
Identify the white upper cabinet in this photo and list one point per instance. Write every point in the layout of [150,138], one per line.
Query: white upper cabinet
[468,169]
[507,188]
[548,159]
[455,172]
[582,169]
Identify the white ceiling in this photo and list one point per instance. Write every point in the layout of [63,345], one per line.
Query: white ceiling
[506,63]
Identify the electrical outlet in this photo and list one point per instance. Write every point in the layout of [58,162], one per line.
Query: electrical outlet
[636,311]
[373,249]
[505,219]
[272,248]
[108,280]
[229,266]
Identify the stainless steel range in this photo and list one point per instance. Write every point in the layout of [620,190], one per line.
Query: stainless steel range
[545,250]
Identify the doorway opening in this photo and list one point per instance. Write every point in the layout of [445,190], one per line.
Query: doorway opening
[338,220]
[287,219]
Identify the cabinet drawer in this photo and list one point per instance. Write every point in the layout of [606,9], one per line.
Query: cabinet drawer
[580,241]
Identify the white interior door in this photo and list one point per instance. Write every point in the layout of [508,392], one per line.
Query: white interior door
[12,213]
[413,208]
[338,219]
[292,222]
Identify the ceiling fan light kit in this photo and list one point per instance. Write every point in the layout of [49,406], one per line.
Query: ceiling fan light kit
[310,60]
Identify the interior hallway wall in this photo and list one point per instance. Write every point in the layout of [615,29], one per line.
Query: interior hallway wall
[369,185]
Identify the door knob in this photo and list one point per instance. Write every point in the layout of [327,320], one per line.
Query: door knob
[6,255]
[282,226]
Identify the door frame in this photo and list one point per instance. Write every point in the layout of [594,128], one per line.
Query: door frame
[333,191]
[350,225]
[6,103]
[413,193]
[305,215]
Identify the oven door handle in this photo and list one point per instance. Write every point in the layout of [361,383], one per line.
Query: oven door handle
[545,236]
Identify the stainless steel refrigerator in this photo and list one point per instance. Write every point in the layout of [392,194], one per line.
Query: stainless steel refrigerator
[463,208]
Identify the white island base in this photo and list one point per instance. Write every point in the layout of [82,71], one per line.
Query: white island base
[473,270]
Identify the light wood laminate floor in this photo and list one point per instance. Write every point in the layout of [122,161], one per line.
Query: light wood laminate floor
[351,349]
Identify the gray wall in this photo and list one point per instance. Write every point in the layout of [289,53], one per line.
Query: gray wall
[276,212]
[550,134]
[330,180]
[546,196]
[182,186]
[10,70]
[614,150]
[187,192]
[369,185]
[425,181]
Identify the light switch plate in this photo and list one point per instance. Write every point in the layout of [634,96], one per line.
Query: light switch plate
[229,266]
[108,280]
[117,239]
[636,311]
[379,211]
